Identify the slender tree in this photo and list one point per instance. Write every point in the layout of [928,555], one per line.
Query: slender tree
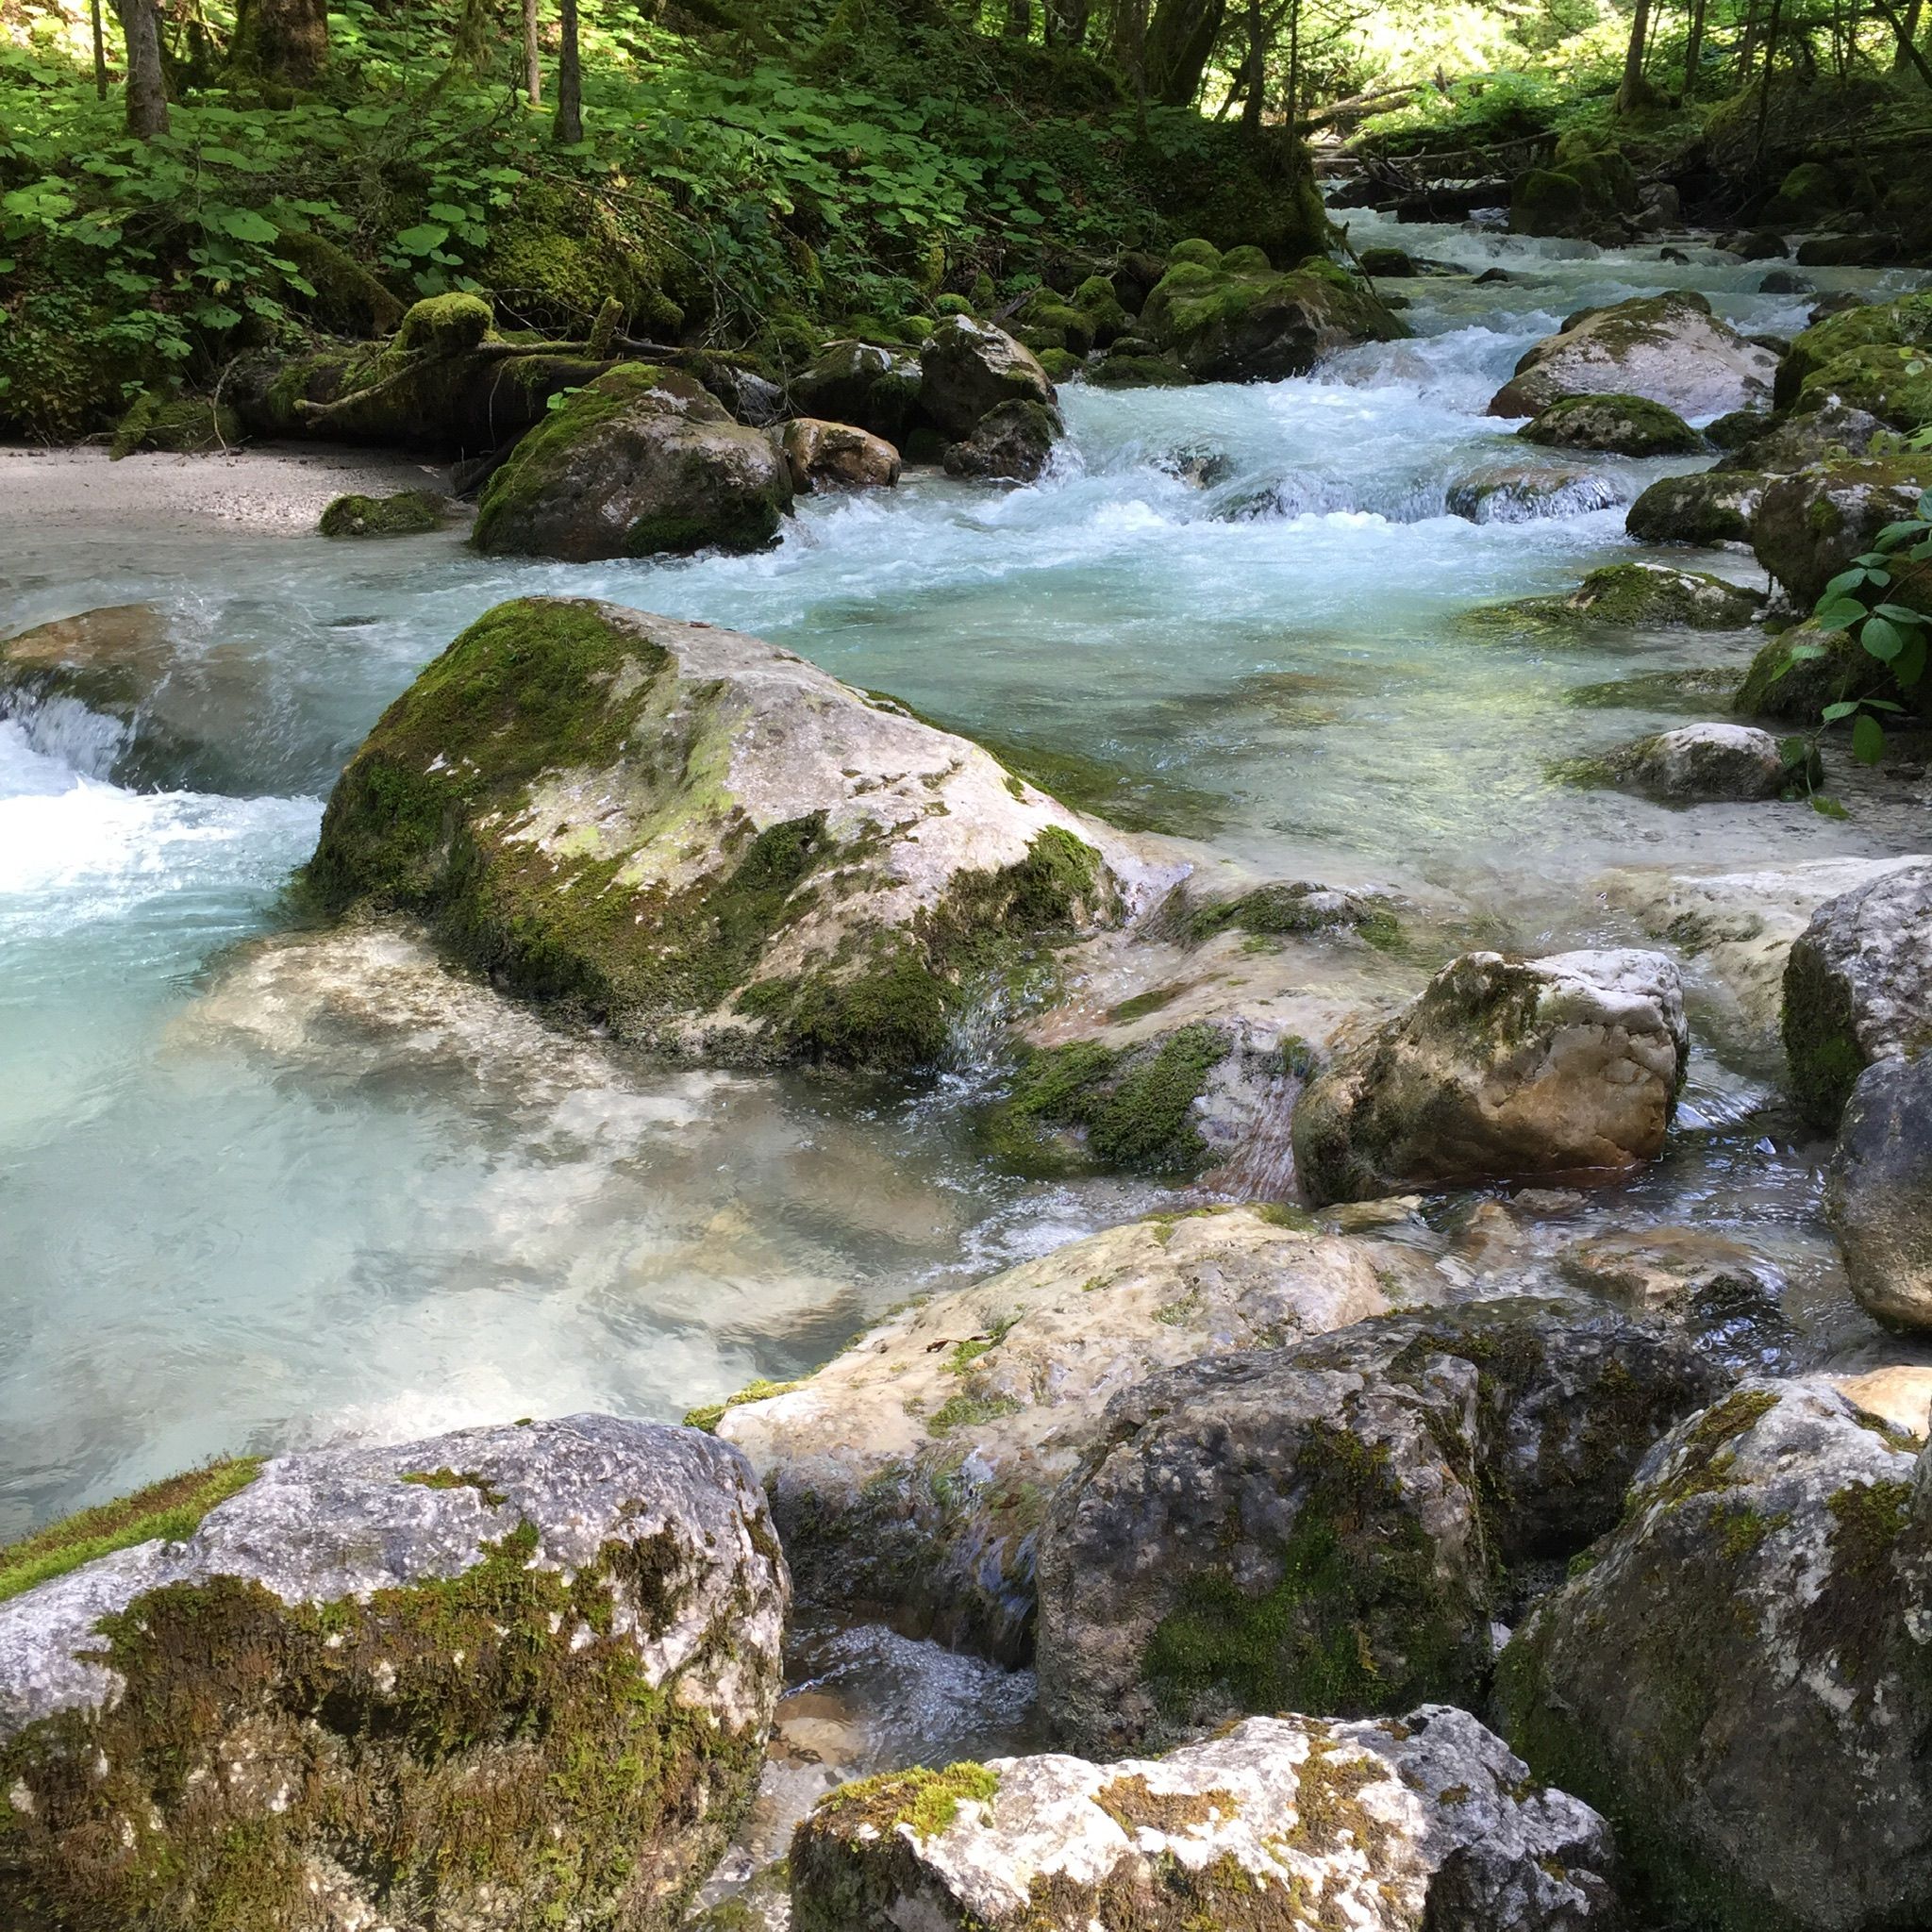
[1019,20]
[1180,37]
[1066,22]
[533,64]
[1768,75]
[1257,65]
[1635,93]
[100,52]
[147,96]
[569,126]
[1693,49]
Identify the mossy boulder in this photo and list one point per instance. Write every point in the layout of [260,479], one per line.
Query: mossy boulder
[1581,194]
[1709,507]
[1107,320]
[1617,426]
[1781,683]
[1047,321]
[1808,527]
[1638,597]
[556,257]
[639,462]
[910,1474]
[1195,253]
[969,368]
[347,299]
[405,513]
[181,426]
[1137,371]
[1243,323]
[1428,1821]
[704,843]
[1858,988]
[1699,764]
[1783,444]
[1668,349]
[1865,356]
[1808,194]
[1501,1067]
[1738,1674]
[511,1676]
[1331,1525]
[1012,444]
[870,384]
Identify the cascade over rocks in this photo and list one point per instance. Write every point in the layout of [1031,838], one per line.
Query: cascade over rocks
[705,843]
[1710,507]
[1738,1673]
[910,1475]
[1808,527]
[1879,1195]
[499,1678]
[1564,1064]
[1282,1824]
[1329,1525]
[1521,493]
[639,462]
[1668,349]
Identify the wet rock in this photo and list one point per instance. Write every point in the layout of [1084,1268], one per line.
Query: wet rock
[1900,1397]
[1738,1672]
[1858,988]
[1736,427]
[869,384]
[1699,764]
[1781,683]
[1808,528]
[1501,1067]
[1386,264]
[751,398]
[968,369]
[1381,1826]
[502,1639]
[1517,494]
[1643,597]
[1711,506]
[1237,321]
[1866,358]
[1785,281]
[703,843]
[1327,1527]
[1828,434]
[1668,349]
[836,456]
[1879,1196]
[1126,369]
[641,462]
[910,1475]
[1582,197]
[405,513]
[1012,444]
[1617,426]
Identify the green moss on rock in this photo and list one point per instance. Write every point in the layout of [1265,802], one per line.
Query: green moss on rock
[1629,425]
[405,513]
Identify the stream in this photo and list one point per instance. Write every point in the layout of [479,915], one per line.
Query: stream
[1247,601]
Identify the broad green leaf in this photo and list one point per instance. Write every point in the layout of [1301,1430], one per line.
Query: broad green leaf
[1840,616]
[424,239]
[1868,741]
[1845,580]
[1845,708]
[1894,534]
[245,224]
[1804,653]
[1827,808]
[1908,667]
[1882,638]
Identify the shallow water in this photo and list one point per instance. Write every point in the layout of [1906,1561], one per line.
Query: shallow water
[215,1239]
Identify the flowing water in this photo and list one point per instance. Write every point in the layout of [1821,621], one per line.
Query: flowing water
[1247,601]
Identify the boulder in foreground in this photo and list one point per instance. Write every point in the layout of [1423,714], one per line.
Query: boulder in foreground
[502,1678]
[1879,1196]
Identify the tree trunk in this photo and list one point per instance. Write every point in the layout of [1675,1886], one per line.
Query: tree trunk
[1019,20]
[1294,81]
[569,127]
[147,98]
[1635,93]
[285,41]
[1066,23]
[533,64]
[1180,37]
[1769,73]
[1257,65]
[1693,50]
[100,53]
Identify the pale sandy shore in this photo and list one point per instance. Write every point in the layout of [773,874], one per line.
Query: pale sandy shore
[281,489]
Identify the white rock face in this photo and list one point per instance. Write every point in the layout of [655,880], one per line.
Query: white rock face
[910,1474]
[1569,1063]
[1289,1822]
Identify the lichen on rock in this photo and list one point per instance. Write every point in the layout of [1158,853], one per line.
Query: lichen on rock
[1626,425]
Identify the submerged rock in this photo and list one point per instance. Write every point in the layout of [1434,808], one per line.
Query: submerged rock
[1739,1672]
[705,843]
[1519,493]
[642,460]
[1285,1822]
[1710,507]
[1642,596]
[1808,528]
[1858,988]
[1329,1525]
[1699,764]
[1501,1067]
[836,456]
[908,1476]
[507,1643]
[1879,1196]
[1616,424]
[1667,349]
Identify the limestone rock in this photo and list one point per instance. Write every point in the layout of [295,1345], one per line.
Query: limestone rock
[1701,764]
[1859,987]
[1808,528]
[836,456]
[866,383]
[385,1686]
[704,843]
[1879,1196]
[1829,434]
[1614,425]
[1012,444]
[910,1475]
[1668,349]
[1521,493]
[1501,1067]
[1710,507]
[1237,321]
[1863,358]
[1641,596]
[1325,1527]
[1738,1671]
[969,368]
[1286,1822]
[641,461]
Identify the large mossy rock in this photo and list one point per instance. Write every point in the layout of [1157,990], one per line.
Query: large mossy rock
[969,368]
[1879,1195]
[910,1474]
[1697,764]
[640,462]
[869,384]
[1781,683]
[1581,194]
[1614,425]
[1858,988]
[1741,1673]
[1425,1824]
[1710,507]
[1668,349]
[1331,1526]
[508,1677]
[1787,443]
[1012,444]
[1808,527]
[1501,1067]
[1236,320]
[1637,597]
[703,842]
[1874,359]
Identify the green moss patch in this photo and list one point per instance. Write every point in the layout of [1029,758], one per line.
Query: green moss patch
[407,513]
[707,1416]
[925,1802]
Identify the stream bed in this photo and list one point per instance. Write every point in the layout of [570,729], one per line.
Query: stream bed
[1248,604]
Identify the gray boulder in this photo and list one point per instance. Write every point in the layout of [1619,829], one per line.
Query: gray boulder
[1328,1526]
[1564,1064]
[1829,434]
[1285,1822]
[1699,764]
[835,456]
[866,383]
[1710,507]
[501,1679]
[968,368]
[1613,424]
[1858,988]
[1879,1195]
[1808,528]
[1741,1673]
[1012,444]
